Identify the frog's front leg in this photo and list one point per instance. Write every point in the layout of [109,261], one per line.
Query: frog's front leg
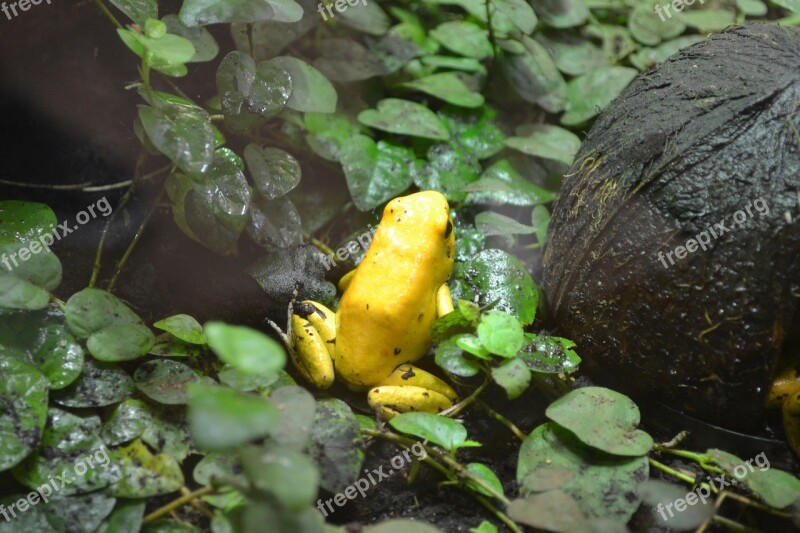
[785,393]
[409,388]
[314,337]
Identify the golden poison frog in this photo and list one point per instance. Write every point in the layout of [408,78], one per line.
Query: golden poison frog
[384,319]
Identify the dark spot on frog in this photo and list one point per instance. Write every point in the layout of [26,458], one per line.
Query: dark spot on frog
[426,394]
[419,318]
[449,229]
[367,306]
[397,351]
[332,341]
[408,374]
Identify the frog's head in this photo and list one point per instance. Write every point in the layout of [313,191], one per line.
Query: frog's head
[423,220]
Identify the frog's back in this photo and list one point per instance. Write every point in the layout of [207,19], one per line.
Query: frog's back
[385,315]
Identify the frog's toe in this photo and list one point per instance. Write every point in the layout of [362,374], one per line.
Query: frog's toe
[310,354]
[391,400]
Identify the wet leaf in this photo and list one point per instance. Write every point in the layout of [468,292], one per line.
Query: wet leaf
[275,224]
[138,10]
[83,512]
[603,485]
[496,276]
[334,447]
[602,418]
[279,273]
[648,28]
[144,474]
[502,184]
[41,339]
[347,60]
[127,516]
[534,76]
[329,134]
[219,466]
[562,13]
[500,333]
[182,134]
[366,17]
[249,95]
[165,381]
[549,355]
[99,384]
[28,272]
[112,330]
[68,443]
[275,172]
[163,52]
[541,220]
[376,172]
[311,91]
[573,55]
[553,511]
[450,169]
[490,223]
[23,393]
[405,118]
[447,86]
[205,12]
[34,519]
[25,221]
[450,357]
[475,130]
[164,429]
[222,418]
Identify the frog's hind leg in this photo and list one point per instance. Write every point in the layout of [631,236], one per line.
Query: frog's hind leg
[313,333]
[444,301]
[409,388]
[785,393]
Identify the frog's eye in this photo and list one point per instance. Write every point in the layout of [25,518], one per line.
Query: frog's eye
[449,229]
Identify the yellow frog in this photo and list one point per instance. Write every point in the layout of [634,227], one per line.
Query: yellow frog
[385,314]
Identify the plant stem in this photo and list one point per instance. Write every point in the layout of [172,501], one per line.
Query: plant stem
[702,459]
[498,514]
[457,408]
[680,475]
[124,260]
[108,14]
[178,503]
[503,420]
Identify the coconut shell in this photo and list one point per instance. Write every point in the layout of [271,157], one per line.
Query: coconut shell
[688,144]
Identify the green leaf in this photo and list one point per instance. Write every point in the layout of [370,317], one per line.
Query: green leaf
[710,20]
[777,488]
[67,445]
[311,91]
[334,447]
[84,512]
[573,54]
[42,340]
[367,17]
[473,129]
[440,430]
[757,8]
[485,474]
[127,516]
[222,418]
[165,53]
[29,270]
[144,474]
[246,349]
[603,419]
[472,345]
[329,134]
[205,12]
[490,223]
[647,27]
[501,333]
[401,526]
[376,172]
[164,429]
[549,355]
[447,86]
[464,38]
[496,276]
[541,220]
[649,57]
[501,184]
[182,134]
[275,224]
[552,511]
[589,94]
[658,494]
[137,10]
[286,474]
[297,408]
[165,381]
[183,327]
[205,46]
[791,5]
[98,385]
[562,13]
[450,168]
[546,141]
[534,76]
[219,465]
[602,485]
[114,332]
[513,376]
[450,357]
[25,221]
[275,172]
[249,94]
[405,118]
[23,393]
